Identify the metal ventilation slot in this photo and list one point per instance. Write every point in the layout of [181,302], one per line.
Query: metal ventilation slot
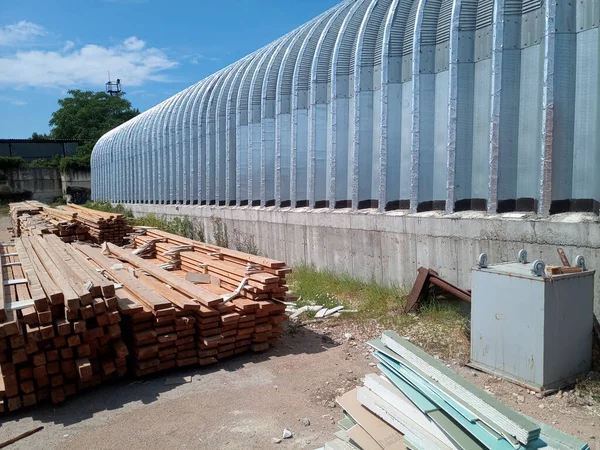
[409,32]
[398,30]
[485,13]
[307,57]
[531,5]
[245,89]
[379,40]
[468,15]
[288,72]
[324,62]
[371,42]
[430,22]
[443,25]
[346,53]
[272,82]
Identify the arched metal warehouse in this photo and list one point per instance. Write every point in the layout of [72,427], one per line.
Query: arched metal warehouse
[391,104]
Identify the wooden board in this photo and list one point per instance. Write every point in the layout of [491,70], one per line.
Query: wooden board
[387,437]
[202,295]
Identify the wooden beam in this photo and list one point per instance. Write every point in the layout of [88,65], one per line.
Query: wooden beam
[196,292]
[147,295]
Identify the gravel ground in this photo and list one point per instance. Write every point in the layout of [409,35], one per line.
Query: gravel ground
[246,402]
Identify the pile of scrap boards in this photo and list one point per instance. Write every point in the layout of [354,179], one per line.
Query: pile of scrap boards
[73,315]
[58,333]
[69,222]
[418,403]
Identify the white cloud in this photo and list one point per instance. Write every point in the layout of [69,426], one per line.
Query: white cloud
[133,43]
[68,46]
[86,66]
[12,100]
[196,58]
[20,33]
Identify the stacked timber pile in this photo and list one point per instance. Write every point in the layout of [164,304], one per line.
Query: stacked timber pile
[102,226]
[59,324]
[240,295]
[22,209]
[70,222]
[38,218]
[158,321]
[418,403]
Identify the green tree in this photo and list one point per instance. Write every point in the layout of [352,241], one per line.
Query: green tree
[37,136]
[87,115]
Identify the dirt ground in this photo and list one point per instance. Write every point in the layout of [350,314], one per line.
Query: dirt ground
[247,401]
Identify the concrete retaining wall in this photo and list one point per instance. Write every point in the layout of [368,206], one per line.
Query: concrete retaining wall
[47,183]
[389,247]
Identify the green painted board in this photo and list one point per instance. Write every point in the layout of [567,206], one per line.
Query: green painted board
[463,433]
[482,402]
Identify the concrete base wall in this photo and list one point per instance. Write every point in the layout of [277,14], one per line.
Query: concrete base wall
[47,184]
[44,183]
[389,247]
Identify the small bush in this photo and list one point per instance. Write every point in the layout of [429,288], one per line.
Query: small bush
[74,163]
[244,242]
[58,201]
[42,163]
[11,162]
[109,208]
[220,232]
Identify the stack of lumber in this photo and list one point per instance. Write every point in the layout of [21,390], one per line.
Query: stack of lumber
[25,209]
[102,226]
[419,403]
[265,278]
[42,219]
[59,323]
[158,321]
[230,320]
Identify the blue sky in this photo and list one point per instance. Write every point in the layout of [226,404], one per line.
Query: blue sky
[156,48]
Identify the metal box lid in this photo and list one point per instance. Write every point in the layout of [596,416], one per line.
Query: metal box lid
[535,271]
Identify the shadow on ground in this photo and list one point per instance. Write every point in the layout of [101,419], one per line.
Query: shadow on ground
[113,396]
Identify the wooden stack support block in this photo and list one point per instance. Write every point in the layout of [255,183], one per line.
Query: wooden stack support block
[61,332]
[159,321]
[102,226]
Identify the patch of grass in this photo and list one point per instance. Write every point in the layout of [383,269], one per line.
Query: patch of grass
[58,201]
[110,208]
[181,226]
[4,210]
[372,300]
[439,327]
[220,236]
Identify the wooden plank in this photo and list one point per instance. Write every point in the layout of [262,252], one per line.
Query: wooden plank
[227,266]
[241,256]
[185,303]
[359,435]
[561,270]
[196,292]
[71,299]
[37,294]
[142,292]
[2,299]
[68,271]
[53,293]
[107,287]
[563,257]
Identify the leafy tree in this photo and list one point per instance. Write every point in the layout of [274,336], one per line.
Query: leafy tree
[87,115]
[40,136]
